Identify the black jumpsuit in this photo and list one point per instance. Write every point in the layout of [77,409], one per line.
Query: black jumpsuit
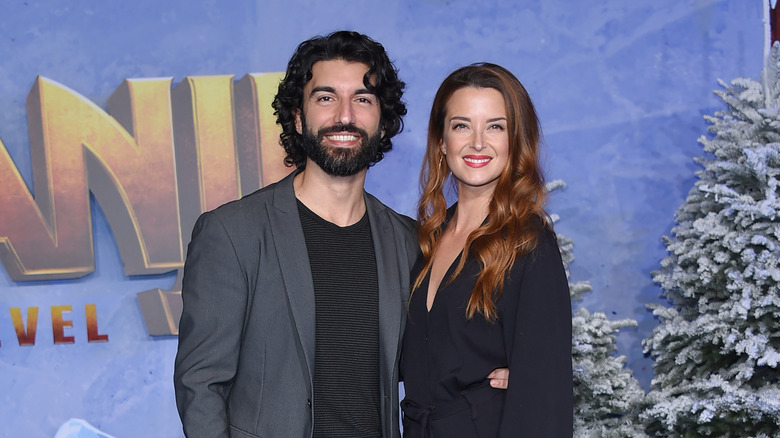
[446,357]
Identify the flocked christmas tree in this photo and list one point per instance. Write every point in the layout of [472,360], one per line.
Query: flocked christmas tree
[606,394]
[716,348]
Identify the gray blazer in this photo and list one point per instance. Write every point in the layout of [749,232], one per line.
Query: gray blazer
[246,337]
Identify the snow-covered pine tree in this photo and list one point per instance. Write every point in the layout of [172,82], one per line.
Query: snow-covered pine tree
[716,348]
[607,397]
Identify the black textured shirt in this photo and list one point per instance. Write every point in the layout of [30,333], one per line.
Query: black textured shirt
[346,356]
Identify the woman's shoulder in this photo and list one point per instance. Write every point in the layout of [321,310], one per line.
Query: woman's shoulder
[541,229]
[546,242]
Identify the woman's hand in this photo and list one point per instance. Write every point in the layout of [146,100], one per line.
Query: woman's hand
[499,378]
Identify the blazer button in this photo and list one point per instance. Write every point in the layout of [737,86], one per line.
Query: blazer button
[308,402]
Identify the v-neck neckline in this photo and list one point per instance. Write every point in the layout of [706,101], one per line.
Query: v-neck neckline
[443,283]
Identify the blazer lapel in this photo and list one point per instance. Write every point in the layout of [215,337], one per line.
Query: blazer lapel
[293,259]
[389,277]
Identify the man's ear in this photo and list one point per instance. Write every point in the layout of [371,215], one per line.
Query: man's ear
[298,124]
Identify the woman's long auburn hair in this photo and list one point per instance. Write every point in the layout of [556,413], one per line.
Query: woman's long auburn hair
[516,215]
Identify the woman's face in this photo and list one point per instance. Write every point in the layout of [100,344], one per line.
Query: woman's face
[475,138]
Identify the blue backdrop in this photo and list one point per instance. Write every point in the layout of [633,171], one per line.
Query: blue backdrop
[620,87]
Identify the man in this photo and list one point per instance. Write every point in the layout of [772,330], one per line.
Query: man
[282,333]
[295,296]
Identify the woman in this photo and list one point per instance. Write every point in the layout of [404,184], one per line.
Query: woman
[490,289]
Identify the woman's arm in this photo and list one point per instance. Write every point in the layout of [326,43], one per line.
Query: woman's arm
[539,400]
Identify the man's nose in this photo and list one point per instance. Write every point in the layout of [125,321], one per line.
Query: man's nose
[345,114]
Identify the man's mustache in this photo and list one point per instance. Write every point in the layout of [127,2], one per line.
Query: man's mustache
[341,127]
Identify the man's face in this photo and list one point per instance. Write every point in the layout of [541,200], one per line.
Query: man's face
[341,119]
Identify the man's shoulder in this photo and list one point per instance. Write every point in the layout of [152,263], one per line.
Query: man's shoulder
[249,204]
[401,223]
[379,207]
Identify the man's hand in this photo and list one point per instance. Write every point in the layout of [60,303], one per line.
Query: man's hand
[499,378]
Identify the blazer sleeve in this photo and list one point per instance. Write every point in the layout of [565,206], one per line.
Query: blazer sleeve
[214,296]
[539,399]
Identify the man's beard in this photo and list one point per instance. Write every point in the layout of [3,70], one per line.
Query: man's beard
[337,161]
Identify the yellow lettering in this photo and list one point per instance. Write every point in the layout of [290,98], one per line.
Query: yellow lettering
[261,157]
[154,161]
[92,325]
[76,146]
[135,181]
[58,325]
[260,161]
[49,236]
[25,336]
[206,161]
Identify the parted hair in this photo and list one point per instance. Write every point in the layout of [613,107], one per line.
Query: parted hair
[351,47]
[516,216]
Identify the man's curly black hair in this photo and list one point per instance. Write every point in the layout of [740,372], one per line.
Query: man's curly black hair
[351,47]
